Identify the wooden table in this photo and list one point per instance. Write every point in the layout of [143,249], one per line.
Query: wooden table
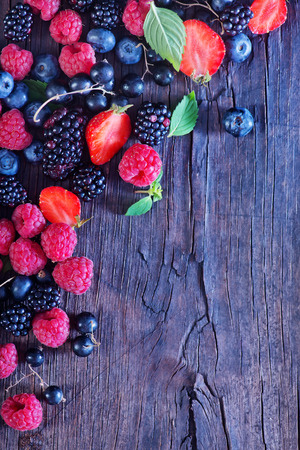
[197,300]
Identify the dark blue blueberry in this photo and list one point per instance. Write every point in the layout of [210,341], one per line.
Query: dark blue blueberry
[55,88]
[178,10]
[128,50]
[163,3]
[205,15]
[18,97]
[96,101]
[82,346]
[109,86]
[238,48]
[34,153]
[101,40]
[219,5]
[102,72]
[9,162]
[44,277]
[45,68]
[79,82]
[238,121]
[119,100]
[20,287]
[6,84]
[132,85]
[30,111]
[162,74]
[153,57]
[86,322]
[4,292]
[53,395]
[34,356]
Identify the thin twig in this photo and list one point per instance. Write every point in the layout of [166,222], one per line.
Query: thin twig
[145,58]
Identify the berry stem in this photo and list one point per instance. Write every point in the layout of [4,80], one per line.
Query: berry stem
[19,381]
[7,281]
[205,5]
[145,57]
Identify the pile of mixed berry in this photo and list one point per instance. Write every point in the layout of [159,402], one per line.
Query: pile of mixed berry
[66,114]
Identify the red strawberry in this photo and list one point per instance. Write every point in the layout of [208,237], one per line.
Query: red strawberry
[268,15]
[203,53]
[106,134]
[60,206]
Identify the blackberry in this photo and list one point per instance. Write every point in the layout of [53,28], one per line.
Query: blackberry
[12,192]
[81,5]
[235,19]
[152,122]
[64,134]
[107,14]
[88,182]
[43,297]
[18,22]
[16,319]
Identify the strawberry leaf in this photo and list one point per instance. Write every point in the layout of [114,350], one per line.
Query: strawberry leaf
[141,207]
[184,116]
[165,33]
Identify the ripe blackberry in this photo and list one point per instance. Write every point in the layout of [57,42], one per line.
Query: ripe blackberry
[81,5]
[18,22]
[88,182]
[107,14]
[235,19]
[152,123]
[16,319]
[43,297]
[12,192]
[64,134]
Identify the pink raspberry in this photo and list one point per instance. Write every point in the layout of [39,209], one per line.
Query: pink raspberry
[47,8]
[16,61]
[58,241]
[0,108]
[77,58]
[134,16]
[1,265]
[27,257]
[13,134]
[74,274]
[28,220]
[22,412]
[66,27]
[51,328]
[8,360]
[7,235]
[140,165]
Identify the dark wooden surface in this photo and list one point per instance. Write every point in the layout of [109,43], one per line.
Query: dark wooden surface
[198,301]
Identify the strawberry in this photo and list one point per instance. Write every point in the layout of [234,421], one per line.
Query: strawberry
[203,53]
[60,206]
[106,134]
[268,15]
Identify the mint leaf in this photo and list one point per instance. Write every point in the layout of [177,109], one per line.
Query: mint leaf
[165,33]
[141,207]
[184,116]
[37,93]
[159,176]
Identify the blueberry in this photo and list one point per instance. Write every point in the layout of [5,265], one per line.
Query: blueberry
[238,121]
[20,287]
[96,101]
[44,277]
[128,50]
[30,111]
[6,84]
[119,100]
[162,75]
[153,57]
[86,322]
[82,346]
[109,86]
[79,82]
[101,40]
[132,85]
[53,395]
[34,356]
[238,47]
[178,10]
[34,153]
[102,72]
[163,3]
[45,68]
[55,88]
[9,162]
[18,97]
[219,5]
[4,293]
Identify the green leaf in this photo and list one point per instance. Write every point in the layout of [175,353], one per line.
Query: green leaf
[159,176]
[37,93]
[165,33]
[184,116]
[141,207]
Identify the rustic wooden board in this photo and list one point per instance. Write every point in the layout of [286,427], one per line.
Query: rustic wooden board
[197,300]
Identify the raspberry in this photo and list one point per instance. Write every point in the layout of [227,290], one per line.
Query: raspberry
[22,412]
[74,274]
[8,360]
[16,61]
[66,27]
[28,220]
[1,265]
[47,8]
[27,257]
[77,58]
[13,134]
[58,241]
[140,165]
[7,235]
[134,16]
[51,328]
